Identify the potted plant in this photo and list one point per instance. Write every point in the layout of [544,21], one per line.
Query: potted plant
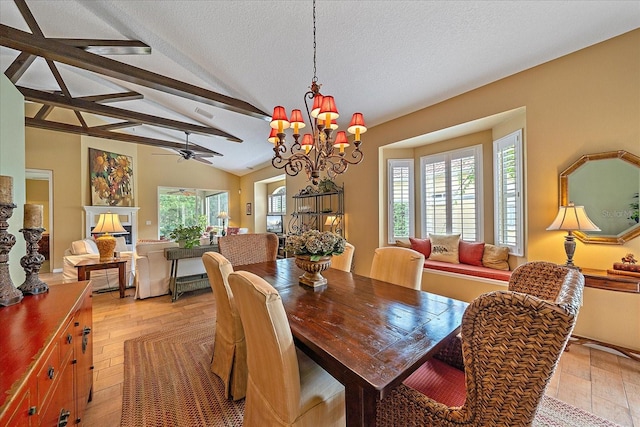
[187,236]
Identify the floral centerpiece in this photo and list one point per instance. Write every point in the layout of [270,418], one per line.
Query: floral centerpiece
[313,251]
[316,244]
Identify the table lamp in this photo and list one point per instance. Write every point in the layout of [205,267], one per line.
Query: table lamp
[107,223]
[331,219]
[224,216]
[572,218]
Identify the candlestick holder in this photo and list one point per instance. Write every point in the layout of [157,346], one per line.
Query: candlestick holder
[9,295]
[32,262]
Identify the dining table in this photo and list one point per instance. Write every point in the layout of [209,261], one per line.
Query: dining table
[368,334]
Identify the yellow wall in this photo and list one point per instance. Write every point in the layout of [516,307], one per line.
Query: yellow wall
[585,102]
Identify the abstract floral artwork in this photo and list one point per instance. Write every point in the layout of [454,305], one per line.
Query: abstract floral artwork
[111,178]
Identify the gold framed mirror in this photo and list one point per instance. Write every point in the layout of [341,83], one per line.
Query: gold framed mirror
[607,185]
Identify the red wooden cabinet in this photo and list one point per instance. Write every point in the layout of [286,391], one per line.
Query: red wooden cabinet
[46,362]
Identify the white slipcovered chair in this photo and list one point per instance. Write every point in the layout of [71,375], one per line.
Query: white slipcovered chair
[85,249]
[229,347]
[285,387]
[400,266]
[344,260]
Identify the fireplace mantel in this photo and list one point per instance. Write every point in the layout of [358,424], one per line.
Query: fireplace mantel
[128,217]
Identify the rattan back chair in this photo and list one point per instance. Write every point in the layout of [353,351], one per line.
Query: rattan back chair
[252,248]
[511,344]
[539,278]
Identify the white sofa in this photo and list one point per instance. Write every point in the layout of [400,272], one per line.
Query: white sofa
[81,250]
[153,270]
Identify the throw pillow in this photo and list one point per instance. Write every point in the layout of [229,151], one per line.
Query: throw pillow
[471,252]
[92,248]
[444,248]
[495,257]
[121,244]
[401,244]
[421,245]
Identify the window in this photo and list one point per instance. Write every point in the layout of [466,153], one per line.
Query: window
[508,204]
[216,203]
[179,206]
[451,193]
[278,201]
[401,209]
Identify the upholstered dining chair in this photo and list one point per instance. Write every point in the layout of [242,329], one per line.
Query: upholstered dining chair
[285,387]
[251,248]
[344,260]
[229,348]
[511,343]
[401,266]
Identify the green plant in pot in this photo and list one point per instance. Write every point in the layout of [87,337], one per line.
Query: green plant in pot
[187,236]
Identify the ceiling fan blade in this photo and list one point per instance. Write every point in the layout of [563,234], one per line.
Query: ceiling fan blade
[201,160]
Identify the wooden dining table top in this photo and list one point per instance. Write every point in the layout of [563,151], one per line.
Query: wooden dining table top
[368,334]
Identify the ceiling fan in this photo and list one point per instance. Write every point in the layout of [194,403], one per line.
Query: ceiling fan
[187,154]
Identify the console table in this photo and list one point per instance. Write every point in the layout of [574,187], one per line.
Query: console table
[180,285]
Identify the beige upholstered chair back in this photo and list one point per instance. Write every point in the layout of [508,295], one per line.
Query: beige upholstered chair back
[401,266]
[230,350]
[343,261]
[511,343]
[271,353]
[541,279]
[242,249]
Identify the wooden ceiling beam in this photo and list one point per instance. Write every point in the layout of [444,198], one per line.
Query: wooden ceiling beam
[68,128]
[60,52]
[19,66]
[114,126]
[112,97]
[108,47]
[119,113]
[43,112]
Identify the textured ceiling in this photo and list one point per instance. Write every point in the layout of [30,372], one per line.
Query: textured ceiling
[383,58]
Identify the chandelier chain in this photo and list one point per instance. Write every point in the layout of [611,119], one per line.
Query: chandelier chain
[315,78]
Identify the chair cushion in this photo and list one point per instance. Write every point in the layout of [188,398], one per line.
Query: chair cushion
[440,382]
[471,252]
[444,248]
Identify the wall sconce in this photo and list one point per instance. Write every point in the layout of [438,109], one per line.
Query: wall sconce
[572,218]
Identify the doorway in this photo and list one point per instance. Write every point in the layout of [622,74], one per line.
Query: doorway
[39,190]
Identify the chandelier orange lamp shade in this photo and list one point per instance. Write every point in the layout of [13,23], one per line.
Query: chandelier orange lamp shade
[320,151]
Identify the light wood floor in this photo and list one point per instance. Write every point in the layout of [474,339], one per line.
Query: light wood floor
[600,382]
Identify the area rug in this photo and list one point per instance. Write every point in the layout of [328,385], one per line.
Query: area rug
[168,383]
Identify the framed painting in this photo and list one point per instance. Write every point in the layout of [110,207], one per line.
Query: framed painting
[248,209]
[111,178]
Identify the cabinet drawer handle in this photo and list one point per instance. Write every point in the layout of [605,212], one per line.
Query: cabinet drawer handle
[86,330]
[69,338]
[33,410]
[63,420]
[51,372]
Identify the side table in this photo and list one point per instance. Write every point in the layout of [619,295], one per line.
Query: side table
[180,285]
[87,266]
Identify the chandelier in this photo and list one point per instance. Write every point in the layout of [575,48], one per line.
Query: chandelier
[318,151]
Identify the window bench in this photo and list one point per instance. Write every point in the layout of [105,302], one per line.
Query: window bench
[469,270]
[463,282]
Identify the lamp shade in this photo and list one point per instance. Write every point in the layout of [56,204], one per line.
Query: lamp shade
[109,223]
[328,109]
[279,119]
[296,120]
[357,125]
[333,125]
[572,218]
[223,215]
[317,103]
[330,220]
[273,136]
[341,140]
